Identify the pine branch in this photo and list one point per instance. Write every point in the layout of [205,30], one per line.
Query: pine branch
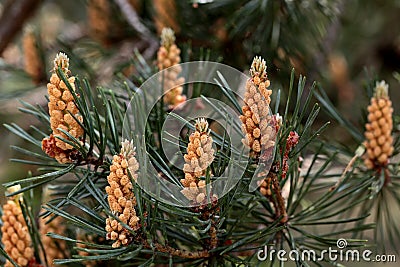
[280,201]
[181,253]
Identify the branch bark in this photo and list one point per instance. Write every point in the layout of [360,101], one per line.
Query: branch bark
[15,14]
[276,198]
[182,253]
[280,201]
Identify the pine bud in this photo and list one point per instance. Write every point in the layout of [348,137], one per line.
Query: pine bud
[258,70]
[167,38]
[379,142]
[61,61]
[256,122]
[121,197]
[15,235]
[63,113]
[168,55]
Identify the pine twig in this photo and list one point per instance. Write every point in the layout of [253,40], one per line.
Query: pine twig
[279,198]
[179,252]
[213,237]
[210,214]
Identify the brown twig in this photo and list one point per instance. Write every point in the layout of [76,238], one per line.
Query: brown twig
[14,15]
[387,176]
[178,252]
[279,198]
[274,202]
[276,198]
[210,214]
[182,253]
[213,237]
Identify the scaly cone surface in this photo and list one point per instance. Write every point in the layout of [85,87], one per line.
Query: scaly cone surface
[63,113]
[259,134]
[378,133]
[15,235]
[200,155]
[121,198]
[168,55]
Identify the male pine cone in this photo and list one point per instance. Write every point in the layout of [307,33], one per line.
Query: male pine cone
[15,236]
[256,118]
[63,113]
[168,55]
[121,198]
[379,142]
[200,155]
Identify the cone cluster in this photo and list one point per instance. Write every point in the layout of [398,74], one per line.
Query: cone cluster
[256,119]
[63,114]
[53,248]
[169,55]
[121,198]
[33,64]
[378,139]
[200,155]
[15,235]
